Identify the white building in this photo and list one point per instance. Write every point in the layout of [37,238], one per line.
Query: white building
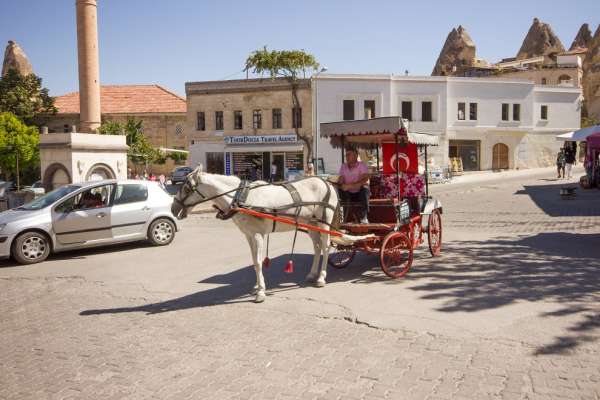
[488,123]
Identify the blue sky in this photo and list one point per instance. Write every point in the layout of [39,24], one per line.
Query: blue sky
[171,42]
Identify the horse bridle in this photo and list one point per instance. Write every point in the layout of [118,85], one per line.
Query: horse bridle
[190,188]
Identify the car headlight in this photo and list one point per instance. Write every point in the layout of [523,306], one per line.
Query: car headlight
[2,227]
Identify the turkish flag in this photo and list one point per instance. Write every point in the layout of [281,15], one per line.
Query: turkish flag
[407,155]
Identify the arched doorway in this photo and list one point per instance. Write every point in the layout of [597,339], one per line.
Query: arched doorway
[55,176]
[100,172]
[500,156]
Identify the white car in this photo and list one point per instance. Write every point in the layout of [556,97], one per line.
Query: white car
[87,214]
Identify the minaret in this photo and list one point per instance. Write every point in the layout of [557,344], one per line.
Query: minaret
[89,71]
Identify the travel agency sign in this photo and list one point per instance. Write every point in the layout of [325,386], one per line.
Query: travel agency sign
[261,139]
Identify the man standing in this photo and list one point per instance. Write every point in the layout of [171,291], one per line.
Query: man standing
[354,176]
[273,171]
[569,159]
[560,163]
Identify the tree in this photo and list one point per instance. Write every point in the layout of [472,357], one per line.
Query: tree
[17,140]
[25,97]
[140,152]
[287,64]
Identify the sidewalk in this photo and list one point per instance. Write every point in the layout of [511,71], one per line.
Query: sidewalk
[485,176]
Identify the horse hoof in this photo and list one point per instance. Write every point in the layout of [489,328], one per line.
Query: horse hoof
[320,283]
[254,290]
[260,298]
[310,278]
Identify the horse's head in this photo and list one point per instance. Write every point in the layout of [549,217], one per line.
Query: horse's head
[188,194]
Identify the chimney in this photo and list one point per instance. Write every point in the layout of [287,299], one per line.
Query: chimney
[89,71]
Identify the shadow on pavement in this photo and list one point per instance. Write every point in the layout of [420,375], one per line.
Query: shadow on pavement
[558,267]
[585,202]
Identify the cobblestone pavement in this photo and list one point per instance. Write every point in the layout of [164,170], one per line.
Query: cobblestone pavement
[68,332]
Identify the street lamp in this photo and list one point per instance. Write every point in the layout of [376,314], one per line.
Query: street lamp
[316,118]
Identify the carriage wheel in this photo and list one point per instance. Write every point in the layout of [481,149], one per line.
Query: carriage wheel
[341,257]
[434,233]
[396,254]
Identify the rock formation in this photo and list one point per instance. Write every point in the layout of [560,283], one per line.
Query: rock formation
[591,75]
[583,38]
[15,58]
[457,54]
[540,41]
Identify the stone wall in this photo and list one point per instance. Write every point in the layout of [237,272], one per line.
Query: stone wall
[551,75]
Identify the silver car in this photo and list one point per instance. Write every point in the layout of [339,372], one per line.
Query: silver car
[179,174]
[85,215]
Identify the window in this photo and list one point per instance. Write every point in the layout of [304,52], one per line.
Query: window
[461,111]
[256,119]
[130,193]
[544,81]
[200,121]
[277,118]
[215,163]
[297,117]
[564,80]
[407,110]
[218,120]
[237,120]
[97,197]
[505,111]
[348,110]
[426,113]
[369,109]
[544,113]
[66,128]
[178,129]
[473,111]
[516,112]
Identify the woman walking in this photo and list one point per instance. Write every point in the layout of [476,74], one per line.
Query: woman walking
[560,163]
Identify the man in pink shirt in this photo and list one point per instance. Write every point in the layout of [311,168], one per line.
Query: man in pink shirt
[353,188]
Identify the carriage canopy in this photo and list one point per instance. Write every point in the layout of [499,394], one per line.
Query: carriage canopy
[366,132]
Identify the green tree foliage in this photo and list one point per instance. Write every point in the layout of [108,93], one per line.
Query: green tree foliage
[589,121]
[286,64]
[140,152]
[177,156]
[25,97]
[15,137]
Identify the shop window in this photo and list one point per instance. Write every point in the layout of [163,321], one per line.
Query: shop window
[200,121]
[473,111]
[237,120]
[407,110]
[215,163]
[369,109]
[461,111]
[277,118]
[297,117]
[426,111]
[516,112]
[544,113]
[219,120]
[505,111]
[348,110]
[256,119]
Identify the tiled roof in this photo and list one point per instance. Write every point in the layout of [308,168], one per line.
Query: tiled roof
[127,99]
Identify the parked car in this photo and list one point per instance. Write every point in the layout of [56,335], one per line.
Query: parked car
[85,215]
[178,175]
[6,187]
[37,188]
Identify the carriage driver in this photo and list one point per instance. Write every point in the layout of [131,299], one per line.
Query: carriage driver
[353,183]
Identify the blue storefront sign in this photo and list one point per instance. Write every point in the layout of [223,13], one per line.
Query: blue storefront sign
[227,163]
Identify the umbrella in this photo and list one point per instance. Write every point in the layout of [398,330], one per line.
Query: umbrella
[579,135]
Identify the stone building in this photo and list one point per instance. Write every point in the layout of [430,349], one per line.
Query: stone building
[243,127]
[162,113]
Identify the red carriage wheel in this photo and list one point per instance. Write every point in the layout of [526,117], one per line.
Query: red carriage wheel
[341,257]
[396,254]
[434,233]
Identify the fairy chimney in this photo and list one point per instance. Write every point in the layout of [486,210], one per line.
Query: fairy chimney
[457,54]
[591,68]
[583,38]
[15,58]
[540,41]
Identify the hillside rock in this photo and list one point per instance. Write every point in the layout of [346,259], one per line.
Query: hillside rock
[540,41]
[15,58]
[583,38]
[457,54]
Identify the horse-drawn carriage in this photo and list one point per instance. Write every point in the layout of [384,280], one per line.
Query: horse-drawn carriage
[401,212]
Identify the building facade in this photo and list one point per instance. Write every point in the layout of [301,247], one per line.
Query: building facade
[247,127]
[161,111]
[487,123]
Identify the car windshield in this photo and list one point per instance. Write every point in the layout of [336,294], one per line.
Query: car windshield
[50,198]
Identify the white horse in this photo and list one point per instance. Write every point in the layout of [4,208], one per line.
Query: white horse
[200,186]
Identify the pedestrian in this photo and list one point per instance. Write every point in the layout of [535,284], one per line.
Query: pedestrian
[310,169]
[569,160]
[273,171]
[560,163]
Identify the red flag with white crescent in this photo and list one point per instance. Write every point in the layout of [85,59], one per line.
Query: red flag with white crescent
[407,155]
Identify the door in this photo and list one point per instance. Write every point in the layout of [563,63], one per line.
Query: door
[500,156]
[130,211]
[84,217]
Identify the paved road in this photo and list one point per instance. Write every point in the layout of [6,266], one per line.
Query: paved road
[510,311]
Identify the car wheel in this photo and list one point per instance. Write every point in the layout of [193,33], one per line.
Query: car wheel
[31,248]
[161,232]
